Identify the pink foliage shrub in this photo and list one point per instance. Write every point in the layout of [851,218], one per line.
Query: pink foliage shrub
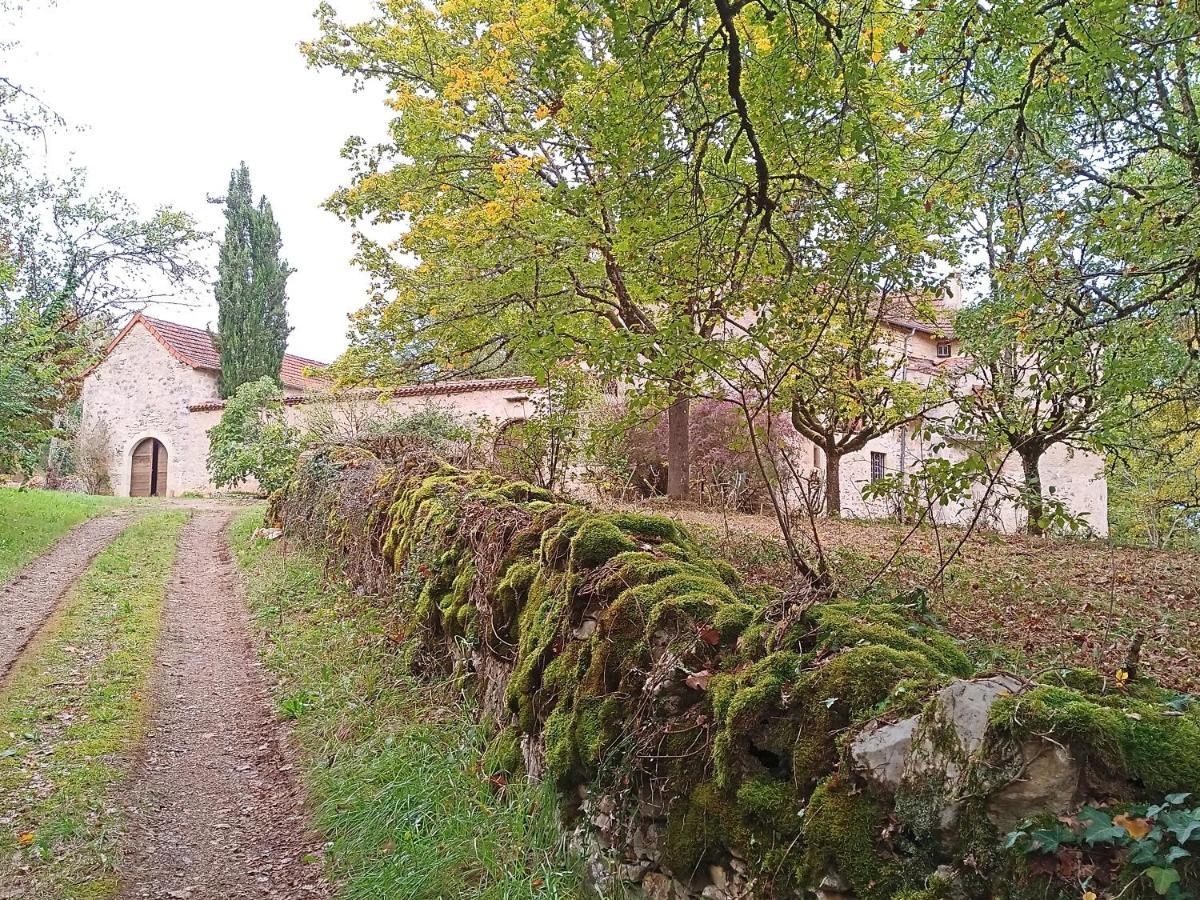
[723,466]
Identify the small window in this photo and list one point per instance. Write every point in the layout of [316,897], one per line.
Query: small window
[816,457]
[943,349]
[878,466]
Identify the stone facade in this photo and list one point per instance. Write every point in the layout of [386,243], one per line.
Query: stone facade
[146,387]
[141,391]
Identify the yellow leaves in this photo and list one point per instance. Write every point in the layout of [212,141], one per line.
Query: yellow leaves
[1136,828]
[1122,677]
[26,838]
[513,168]
[495,212]
[873,38]
[1088,895]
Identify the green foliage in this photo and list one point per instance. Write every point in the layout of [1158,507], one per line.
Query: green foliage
[252,325]
[1154,485]
[1156,843]
[253,439]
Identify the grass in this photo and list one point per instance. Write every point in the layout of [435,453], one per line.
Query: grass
[392,764]
[30,521]
[71,711]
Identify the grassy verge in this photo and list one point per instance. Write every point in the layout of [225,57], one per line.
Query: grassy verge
[70,712]
[30,521]
[391,764]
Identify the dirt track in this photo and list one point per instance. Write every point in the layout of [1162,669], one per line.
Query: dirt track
[214,810]
[32,595]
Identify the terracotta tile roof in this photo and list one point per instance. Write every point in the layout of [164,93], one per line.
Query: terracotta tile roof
[194,347]
[913,315]
[432,389]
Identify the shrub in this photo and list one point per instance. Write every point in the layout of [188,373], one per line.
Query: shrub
[253,439]
[631,457]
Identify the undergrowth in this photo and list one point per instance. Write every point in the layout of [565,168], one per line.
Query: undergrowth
[72,710]
[392,764]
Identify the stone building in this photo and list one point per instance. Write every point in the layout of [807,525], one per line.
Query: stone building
[153,397]
[924,344]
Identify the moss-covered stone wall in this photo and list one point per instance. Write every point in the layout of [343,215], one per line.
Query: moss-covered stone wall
[696,726]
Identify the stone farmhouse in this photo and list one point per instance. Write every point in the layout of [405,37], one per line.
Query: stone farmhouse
[154,396]
[925,345]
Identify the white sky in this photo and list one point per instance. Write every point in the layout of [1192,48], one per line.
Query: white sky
[163,98]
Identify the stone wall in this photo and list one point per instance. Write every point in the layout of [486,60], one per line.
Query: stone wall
[713,739]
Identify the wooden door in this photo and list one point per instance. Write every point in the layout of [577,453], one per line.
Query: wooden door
[148,477]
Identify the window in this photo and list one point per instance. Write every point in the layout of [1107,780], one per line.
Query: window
[878,466]
[816,457]
[943,349]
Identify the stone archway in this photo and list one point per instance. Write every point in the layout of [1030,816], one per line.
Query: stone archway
[148,469]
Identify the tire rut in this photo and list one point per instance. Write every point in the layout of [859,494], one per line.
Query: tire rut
[31,596]
[215,810]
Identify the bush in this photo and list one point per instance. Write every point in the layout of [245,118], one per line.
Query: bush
[630,459]
[253,439]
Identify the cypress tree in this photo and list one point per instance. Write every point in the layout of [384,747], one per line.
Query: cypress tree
[252,327]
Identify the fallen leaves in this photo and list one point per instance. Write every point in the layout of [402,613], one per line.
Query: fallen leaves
[1134,827]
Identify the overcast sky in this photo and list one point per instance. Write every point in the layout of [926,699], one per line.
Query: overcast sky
[164,98]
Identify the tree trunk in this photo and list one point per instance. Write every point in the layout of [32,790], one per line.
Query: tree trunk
[1033,490]
[833,485]
[678,449]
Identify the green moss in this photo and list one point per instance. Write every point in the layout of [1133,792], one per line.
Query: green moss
[770,803]
[503,754]
[650,528]
[842,832]
[695,829]
[1149,743]
[596,542]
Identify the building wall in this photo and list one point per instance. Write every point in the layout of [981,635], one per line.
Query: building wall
[1076,477]
[140,390]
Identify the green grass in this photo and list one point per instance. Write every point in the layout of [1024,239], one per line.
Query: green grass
[392,765]
[72,709]
[30,521]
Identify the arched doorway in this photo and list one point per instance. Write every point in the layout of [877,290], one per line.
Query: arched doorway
[148,477]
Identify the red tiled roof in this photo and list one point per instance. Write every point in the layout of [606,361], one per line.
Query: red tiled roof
[433,389]
[194,347]
[913,315]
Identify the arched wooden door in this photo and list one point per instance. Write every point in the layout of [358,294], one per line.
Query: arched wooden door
[149,475]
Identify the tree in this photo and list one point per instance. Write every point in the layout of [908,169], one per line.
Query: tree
[72,265]
[252,323]
[1042,381]
[621,184]
[253,439]
[859,383]
[1154,482]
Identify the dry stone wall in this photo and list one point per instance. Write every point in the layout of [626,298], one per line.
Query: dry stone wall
[714,739]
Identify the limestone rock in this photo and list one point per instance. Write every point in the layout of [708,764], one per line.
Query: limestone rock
[881,751]
[1048,781]
[928,759]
